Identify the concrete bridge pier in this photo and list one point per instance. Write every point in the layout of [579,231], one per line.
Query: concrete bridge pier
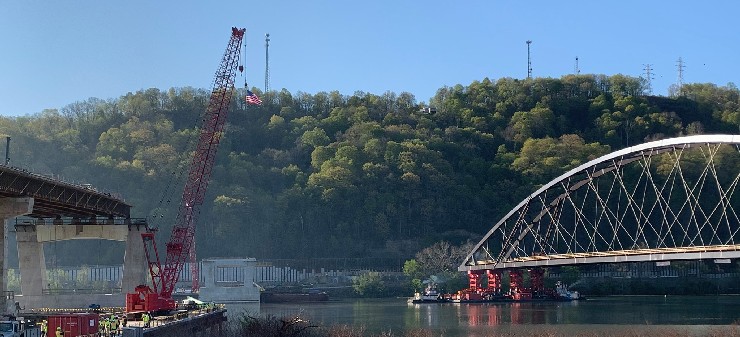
[31,237]
[9,209]
[134,259]
[31,261]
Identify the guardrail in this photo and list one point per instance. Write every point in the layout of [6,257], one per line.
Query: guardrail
[81,291]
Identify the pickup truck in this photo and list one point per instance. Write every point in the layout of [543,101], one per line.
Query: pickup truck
[19,328]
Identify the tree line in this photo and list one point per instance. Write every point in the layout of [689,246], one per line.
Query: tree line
[362,175]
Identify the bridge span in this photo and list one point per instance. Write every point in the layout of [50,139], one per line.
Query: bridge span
[673,199]
[56,210]
[56,199]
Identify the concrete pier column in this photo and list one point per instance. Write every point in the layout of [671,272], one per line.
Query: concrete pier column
[31,261]
[134,259]
[229,280]
[9,209]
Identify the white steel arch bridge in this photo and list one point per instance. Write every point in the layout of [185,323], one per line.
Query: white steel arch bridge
[673,199]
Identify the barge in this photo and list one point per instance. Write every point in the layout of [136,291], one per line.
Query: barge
[292,295]
[559,294]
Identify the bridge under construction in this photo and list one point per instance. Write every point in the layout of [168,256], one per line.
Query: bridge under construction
[662,201]
[56,210]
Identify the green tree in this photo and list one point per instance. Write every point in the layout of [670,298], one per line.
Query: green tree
[544,159]
[369,285]
[536,123]
[412,269]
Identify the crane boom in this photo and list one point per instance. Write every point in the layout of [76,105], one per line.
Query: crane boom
[164,276]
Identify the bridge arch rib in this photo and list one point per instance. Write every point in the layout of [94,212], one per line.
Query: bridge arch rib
[672,199]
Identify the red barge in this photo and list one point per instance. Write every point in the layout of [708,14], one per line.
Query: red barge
[493,291]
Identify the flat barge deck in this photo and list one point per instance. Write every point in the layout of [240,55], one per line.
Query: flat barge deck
[203,320]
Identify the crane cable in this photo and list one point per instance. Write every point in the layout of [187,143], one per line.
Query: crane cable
[243,72]
[176,177]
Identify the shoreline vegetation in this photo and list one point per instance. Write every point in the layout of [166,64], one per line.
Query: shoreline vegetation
[361,181]
[263,326]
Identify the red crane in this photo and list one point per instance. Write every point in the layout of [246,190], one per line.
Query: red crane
[181,244]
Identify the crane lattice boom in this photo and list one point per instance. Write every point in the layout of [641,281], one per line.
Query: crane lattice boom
[164,276]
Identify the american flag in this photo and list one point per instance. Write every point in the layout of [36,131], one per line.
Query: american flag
[252,98]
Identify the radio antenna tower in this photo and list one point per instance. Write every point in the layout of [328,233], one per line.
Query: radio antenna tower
[529,60]
[267,62]
[576,69]
[680,67]
[649,78]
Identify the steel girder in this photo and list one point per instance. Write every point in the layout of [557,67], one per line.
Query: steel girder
[54,198]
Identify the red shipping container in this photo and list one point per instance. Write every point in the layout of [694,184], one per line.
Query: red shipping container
[74,324]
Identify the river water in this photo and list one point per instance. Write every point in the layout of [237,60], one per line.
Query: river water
[698,315]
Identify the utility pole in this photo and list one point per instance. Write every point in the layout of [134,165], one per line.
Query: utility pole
[7,150]
[577,70]
[529,60]
[267,62]
[649,77]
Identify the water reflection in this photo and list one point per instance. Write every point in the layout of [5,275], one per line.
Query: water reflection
[395,315]
[491,314]
[235,310]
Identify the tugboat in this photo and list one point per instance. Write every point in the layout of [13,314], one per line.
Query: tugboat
[564,294]
[429,295]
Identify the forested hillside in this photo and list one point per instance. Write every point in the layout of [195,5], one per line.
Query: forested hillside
[330,175]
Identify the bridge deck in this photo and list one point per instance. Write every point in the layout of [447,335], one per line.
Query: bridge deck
[629,255]
[54,198]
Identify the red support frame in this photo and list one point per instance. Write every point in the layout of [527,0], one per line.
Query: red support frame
[494,281]
[537,279]
[515,281]
[474,280]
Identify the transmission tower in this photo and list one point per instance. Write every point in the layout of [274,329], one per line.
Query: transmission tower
[529,60]
[577,70]
[680,66]
[649,77]
[267,62]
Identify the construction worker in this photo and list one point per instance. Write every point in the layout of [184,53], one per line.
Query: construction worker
[119,325]
[101,328]
[145,318]
[106,327]
[44,327]
[60,333]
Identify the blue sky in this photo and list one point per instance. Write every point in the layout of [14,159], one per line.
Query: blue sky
[53,53]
